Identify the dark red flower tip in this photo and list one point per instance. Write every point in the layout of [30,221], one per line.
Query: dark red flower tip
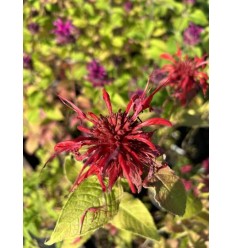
[185,76]
[117,144]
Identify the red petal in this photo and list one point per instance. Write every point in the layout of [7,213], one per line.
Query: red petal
[73,107]
[126,171]
[167,57]
[142,139]
[147,101]
[154,121]
[130,104]
[106,98]
[179,53]
[95,118]
[83,129]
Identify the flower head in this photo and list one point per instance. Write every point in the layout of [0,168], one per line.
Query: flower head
[117,144]
[64,31]
[192,34]
[27,62]
[185,76]
[33,27]
[97,74]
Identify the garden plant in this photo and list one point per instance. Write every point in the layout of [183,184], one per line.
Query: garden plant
[116,123]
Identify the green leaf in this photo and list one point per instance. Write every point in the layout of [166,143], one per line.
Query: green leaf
[193,206]
[53,114]
[77,242]
[198,17]
[117,41]
[168,191]
[72,168]
[156,47]
[133,216]
[87,209]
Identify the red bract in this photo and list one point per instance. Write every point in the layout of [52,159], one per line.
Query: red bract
[117,145]
[185,76]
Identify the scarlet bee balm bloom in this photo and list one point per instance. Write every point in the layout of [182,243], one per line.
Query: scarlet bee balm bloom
[185,76]
[117,145]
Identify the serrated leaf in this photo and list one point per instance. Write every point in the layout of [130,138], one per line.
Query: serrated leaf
[169,191]
[133,216]
[87,209]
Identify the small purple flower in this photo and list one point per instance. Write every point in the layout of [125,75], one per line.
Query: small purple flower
[97,74]
[33,27]
[27,62]
[192,34]
[128,6]
[64,31]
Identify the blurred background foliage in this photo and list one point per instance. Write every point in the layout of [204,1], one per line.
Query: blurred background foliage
[67,46]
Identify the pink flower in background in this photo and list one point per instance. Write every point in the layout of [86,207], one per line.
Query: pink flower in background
[187,184]
[192,34]
[97,74]
[117,144]
[64,31]
[186,169]
[185,76]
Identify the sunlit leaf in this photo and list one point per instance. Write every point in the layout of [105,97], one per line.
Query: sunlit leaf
[193,206]
[87,209]
[133,216]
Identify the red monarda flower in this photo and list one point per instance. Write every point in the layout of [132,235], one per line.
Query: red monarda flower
[185,76]
[117,145]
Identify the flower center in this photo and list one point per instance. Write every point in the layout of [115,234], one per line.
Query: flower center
[112,129]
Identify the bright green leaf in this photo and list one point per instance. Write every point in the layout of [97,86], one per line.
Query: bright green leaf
[87,209]
[193,206]
[53,114]
[133,216]
[198,17]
